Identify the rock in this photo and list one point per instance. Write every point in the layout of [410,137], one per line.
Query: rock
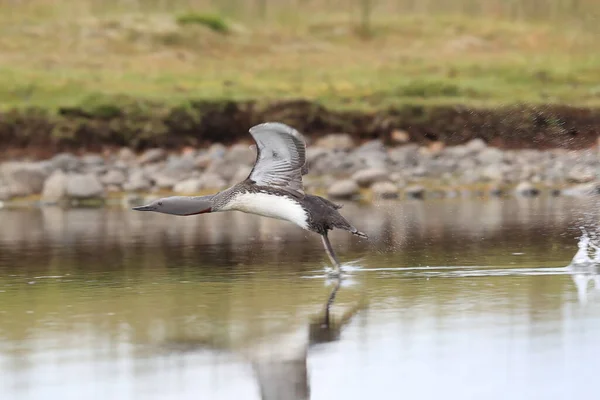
[84,186]
[415,192]
[242,154]
[493,173]
[152,156]
[367,177]
[113,177]
[66,162]
[490,155]
[371,154]
[188,186]
[344,189]
[126,155]
[336,141]
[526,189]
[137,182]
[582,174]
[55,188]
[112,188]
[384,190]
[372,145]
[404,156]
[241,174]
[4,194]
[474,146]
[23,178]
[212,181]
[399,136]
[92,160]
[217,150]
[582,190]
[202,161]
[166,179]
[224,168]
[183,164]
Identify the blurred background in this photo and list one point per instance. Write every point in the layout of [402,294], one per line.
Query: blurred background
[460,135]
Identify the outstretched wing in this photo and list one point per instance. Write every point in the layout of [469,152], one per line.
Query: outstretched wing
[280,157]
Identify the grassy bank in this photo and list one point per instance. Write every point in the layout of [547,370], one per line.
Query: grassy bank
[371,55]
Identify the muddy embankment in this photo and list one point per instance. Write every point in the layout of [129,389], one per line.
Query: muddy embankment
[129,152]
[142,125]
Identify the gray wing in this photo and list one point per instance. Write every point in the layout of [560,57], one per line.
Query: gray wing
[280,157]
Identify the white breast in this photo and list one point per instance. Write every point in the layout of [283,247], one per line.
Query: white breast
[269,205]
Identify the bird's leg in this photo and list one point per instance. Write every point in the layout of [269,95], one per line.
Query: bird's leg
[329,250]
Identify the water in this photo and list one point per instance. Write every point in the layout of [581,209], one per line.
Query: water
[451,299]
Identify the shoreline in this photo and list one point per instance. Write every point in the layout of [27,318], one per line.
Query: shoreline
[341,168]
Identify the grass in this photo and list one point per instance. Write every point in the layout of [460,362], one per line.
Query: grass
[176,51]
[212,21]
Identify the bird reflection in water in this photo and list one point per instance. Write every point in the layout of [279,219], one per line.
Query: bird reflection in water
[279,359]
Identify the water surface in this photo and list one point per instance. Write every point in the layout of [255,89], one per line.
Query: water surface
[449,299]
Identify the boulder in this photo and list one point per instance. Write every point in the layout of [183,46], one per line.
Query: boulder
[66,162]
[167,179]
[92,160]
[367,177]
[490,155]
[188,186]
[404,156]
[55,188]
[4,193]
[385,190]
[217,150]
[23,178]
[113,177]
[126,155]
[242,154]
[137,182]
[212,181]
[474,146]
[202,160]
[344,189]
[336,141]
[84,186]
[182,164]
[241,174]
[152,156]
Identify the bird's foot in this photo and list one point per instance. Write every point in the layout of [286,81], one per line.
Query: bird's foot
[335,272]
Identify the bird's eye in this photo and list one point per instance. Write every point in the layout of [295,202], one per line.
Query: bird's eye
[160,203]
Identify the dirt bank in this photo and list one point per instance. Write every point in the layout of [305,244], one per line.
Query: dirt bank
[142,125]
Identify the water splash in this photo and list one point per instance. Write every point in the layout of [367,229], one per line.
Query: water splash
[585,268]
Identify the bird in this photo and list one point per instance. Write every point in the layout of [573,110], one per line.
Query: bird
[273,189]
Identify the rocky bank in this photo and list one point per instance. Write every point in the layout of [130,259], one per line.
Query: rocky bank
[339,168]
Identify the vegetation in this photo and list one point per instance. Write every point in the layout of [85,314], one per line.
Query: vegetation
[436,52]
[211,21]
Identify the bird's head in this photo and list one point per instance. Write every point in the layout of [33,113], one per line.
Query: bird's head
[180,205]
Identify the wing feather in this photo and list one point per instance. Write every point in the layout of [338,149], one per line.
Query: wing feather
[280,157]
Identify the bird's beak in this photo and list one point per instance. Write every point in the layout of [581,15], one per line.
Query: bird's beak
[144,208]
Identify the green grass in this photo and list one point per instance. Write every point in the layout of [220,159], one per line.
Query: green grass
[409,57]
[212,21]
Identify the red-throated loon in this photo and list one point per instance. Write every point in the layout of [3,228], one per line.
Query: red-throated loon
[273,189]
